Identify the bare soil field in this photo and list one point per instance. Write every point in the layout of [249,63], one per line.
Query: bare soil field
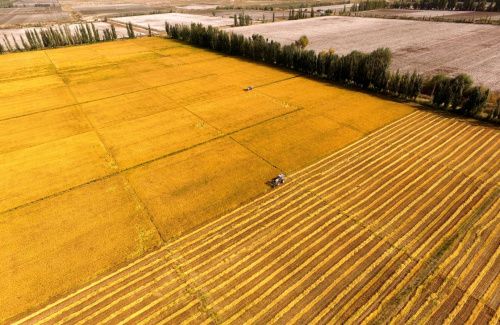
[199,7]
[10,17]
[401,227]
[448,14]
[106,149]
[428,47]
[157,22]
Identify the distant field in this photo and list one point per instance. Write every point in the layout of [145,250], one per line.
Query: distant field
[157,22]
[447,14]
[105,147]
[10,17]
[428,47]
[400,227]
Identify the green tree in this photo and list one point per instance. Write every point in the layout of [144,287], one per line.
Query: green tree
[302,42]
[476,99]
[459,85]
[130,30]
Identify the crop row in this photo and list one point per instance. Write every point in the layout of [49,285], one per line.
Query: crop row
[398,226]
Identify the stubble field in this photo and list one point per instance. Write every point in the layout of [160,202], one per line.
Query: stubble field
[108,148]
[400,227]
[428,47]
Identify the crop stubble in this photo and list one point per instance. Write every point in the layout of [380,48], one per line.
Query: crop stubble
[323,249]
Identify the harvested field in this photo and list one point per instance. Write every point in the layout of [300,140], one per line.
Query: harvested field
[400,226]
[446,14]
[10,17]
[157,22]
[106,148]
[198,7]
[428,47]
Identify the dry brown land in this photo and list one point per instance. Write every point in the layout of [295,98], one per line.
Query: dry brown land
[157,21]
[428,47]
[445,14]
[106,148]
[401,227]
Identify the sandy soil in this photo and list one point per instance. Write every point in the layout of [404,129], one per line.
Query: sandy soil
[428,47]
[157,22]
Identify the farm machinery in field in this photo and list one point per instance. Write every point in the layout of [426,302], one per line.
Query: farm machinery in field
[277,181]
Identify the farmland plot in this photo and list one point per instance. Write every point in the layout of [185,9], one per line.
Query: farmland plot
[445,14]
[428,47]
[106,148]
[157,22]
[400,226]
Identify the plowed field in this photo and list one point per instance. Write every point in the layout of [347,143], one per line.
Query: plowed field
[400,226]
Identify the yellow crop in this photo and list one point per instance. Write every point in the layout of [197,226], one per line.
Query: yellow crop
[96,141]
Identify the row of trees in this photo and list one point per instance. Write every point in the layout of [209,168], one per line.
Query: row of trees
[242,20]
[481,5]
[35,39]
[368,71]
[364,70]
[130,30]
[457,94]
[300,14]
[369,5]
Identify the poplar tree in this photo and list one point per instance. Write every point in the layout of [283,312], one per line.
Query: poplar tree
[476,99]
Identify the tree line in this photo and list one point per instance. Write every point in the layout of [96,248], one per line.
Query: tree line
[364,70]
[368,71]
[300,14]
[471,5]
[369,5]
[457,94]
[242,20]
[36,39]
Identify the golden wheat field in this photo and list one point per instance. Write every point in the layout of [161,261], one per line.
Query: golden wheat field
[399,227]
[109,150]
